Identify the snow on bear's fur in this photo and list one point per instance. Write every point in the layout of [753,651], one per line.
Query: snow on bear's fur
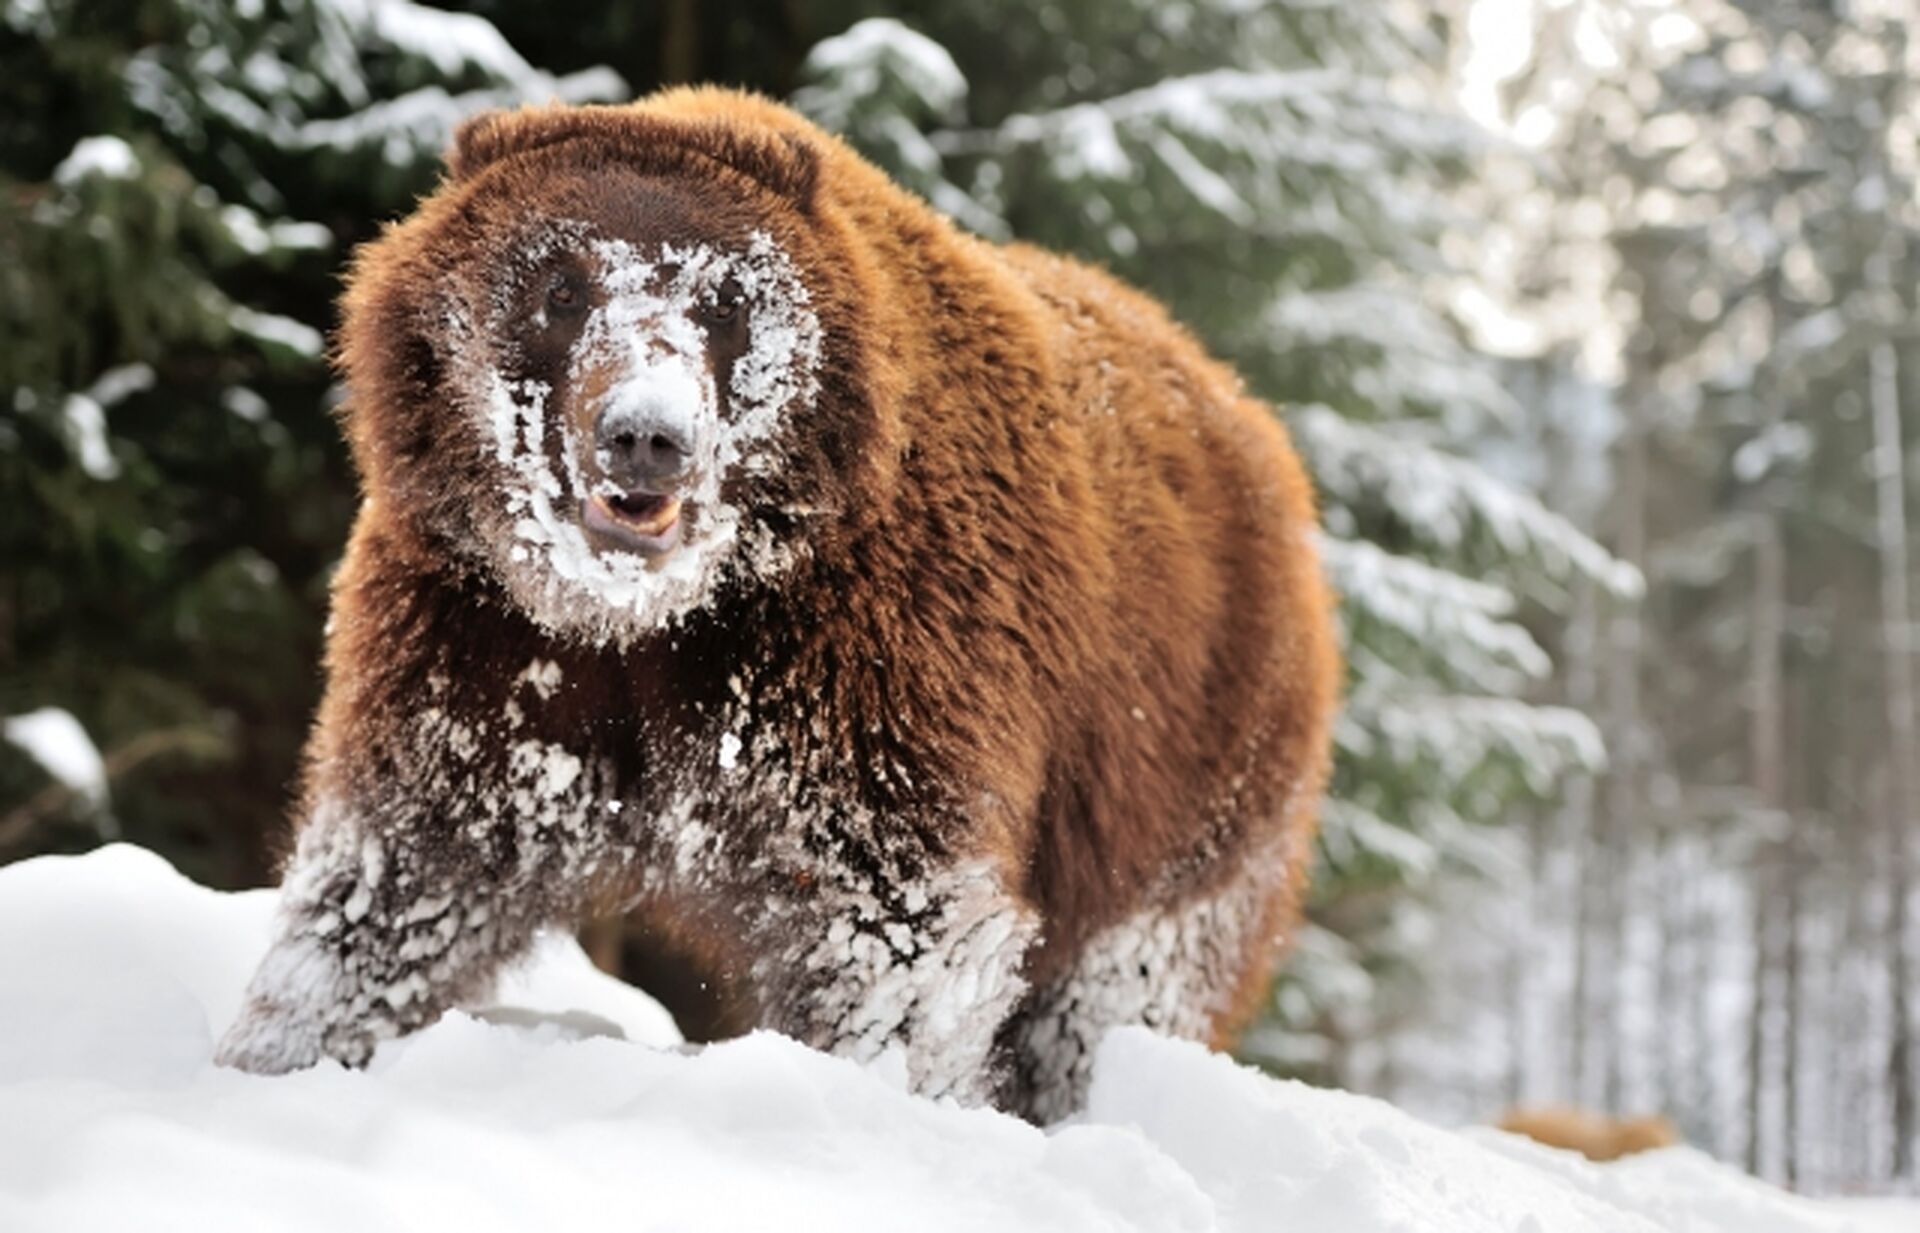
[924,634]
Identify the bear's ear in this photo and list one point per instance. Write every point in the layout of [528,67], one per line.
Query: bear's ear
[783,162]
[484,139]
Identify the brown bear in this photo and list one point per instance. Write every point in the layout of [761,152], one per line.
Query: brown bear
[925,633]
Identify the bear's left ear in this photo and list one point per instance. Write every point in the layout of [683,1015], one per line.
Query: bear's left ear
[783,162]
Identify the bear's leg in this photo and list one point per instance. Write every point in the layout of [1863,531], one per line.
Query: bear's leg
[371,941]
[931,969]
[1184,970]
[388,918]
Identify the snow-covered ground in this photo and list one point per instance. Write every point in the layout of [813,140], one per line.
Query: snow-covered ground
[116,974]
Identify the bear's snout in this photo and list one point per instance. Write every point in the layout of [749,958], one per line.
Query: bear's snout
[649,435]
[653,424]
[641,450]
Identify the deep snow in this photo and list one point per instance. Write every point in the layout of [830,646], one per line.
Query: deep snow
[116,974]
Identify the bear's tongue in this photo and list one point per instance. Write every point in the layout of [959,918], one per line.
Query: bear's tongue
[644,513]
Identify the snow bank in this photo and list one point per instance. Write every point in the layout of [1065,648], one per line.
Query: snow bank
[116,974]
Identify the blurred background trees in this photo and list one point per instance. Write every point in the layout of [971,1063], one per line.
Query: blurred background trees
[179,183]
[1592,318]
[1721,925]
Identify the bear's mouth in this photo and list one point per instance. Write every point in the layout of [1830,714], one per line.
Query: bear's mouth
[635,520]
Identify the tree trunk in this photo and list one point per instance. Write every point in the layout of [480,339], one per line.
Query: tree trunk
[1581,839]
[1624,797]
[1895,612]
[1790,993]
[1764,755]
[680,42]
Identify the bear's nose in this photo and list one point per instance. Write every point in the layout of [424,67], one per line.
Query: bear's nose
[642,450]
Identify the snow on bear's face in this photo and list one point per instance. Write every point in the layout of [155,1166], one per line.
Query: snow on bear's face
[635,386]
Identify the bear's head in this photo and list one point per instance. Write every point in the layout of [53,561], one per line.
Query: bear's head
[598,362]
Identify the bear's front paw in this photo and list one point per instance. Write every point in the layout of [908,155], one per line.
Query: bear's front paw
[265,1040]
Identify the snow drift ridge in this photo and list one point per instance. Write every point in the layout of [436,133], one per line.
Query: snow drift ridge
[116,973]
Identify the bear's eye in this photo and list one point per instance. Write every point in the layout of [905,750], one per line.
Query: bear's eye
[565,295]
[725,304]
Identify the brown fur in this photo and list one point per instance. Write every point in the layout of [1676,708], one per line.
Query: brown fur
[1059,608]
[1594,1135]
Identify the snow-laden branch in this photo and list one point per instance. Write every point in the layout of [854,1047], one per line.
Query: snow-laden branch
[1324,117]
[418,125]
[1457,736]
[273,100]
[1350,832]
[83,422]
[1383,316]
[873,58]
[1445,500]
[1419,362]
[1456,619]
[882,85]
[56,740]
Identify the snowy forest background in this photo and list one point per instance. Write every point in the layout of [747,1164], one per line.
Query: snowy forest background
[1594,319]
